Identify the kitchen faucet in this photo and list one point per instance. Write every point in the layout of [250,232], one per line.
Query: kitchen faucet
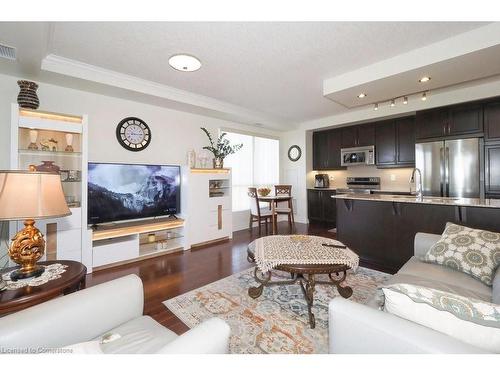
[420,195]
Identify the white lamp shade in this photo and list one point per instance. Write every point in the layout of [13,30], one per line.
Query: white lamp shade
[31,195]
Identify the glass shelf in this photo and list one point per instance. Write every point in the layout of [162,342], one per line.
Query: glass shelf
[54,153]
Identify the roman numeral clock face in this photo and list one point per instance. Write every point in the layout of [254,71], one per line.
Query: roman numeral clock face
[133,134]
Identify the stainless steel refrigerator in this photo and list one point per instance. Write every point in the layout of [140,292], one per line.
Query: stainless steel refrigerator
[450,168]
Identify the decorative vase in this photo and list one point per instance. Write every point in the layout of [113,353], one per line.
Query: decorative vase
[218,163]
[191,159]
[27,97]
[48,166]
[69,143]
[33,138]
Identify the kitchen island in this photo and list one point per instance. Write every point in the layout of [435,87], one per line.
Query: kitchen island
[381,228]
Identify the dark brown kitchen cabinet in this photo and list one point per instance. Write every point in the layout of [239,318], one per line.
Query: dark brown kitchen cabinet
[462,119]
[492,169]
[358,135]
[320,150]
[366,227]
[492,122]
[366,135]
[334,141]
[431,123]
[395,143]
[387,241]
[314,205]
[405,128]
[321,207]
[385,143]
[326,149]
[465,119]
[349,136]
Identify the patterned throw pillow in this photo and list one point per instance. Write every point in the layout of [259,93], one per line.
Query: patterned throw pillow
[472,251]
[466,319]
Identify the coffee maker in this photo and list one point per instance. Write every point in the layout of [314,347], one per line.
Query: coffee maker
[321,181]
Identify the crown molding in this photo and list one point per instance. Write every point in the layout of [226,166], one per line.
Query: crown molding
[76,69]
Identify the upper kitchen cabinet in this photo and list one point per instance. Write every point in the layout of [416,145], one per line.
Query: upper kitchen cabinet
[395,143]
[492,121]
[334,141]
[326,149]
[463,119]
[431,123]
[385,143]
[405,128]
[349,136]
[357,136]
[320,150]
[366,135]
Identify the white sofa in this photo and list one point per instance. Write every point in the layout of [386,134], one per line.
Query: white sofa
[112,307]
[356,328]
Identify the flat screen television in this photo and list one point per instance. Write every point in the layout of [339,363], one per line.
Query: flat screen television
[118,192]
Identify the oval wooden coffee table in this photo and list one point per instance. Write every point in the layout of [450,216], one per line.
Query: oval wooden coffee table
[304,274]
[71,280]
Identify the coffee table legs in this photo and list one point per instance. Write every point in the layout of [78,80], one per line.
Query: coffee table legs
[307,284]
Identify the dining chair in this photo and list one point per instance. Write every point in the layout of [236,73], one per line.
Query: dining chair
[285,208]
[257,213]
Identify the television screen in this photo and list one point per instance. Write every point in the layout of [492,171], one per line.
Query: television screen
[130,191]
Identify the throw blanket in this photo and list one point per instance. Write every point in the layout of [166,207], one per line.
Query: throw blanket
[272,251]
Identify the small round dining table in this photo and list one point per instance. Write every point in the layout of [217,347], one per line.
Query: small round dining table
[273,200]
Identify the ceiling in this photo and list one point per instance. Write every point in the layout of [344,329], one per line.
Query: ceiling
[274,70]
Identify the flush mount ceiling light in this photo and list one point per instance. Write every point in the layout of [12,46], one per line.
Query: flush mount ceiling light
[184,63]
[424,79]
[405,100]
[362,95]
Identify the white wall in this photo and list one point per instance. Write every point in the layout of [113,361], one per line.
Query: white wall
[173,132]
[294,173]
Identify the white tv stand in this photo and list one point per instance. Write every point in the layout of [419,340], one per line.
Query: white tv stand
[129,242]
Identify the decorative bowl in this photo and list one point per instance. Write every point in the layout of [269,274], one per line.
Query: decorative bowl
[264,192]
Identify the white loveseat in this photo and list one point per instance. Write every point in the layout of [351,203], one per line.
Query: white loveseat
[114,307]
[357,328]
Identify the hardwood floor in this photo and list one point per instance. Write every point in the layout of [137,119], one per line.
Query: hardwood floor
[170,275]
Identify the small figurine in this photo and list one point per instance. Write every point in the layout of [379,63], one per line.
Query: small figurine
[53,144]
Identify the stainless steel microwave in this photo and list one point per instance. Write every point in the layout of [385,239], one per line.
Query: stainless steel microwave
[357,156]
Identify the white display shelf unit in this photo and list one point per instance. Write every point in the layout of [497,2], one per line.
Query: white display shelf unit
[122,243]
[65,237]
[207,204]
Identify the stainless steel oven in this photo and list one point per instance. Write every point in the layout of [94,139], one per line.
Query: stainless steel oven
[360,185]
[357,156]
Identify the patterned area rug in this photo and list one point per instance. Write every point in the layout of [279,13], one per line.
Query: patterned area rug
[277,321]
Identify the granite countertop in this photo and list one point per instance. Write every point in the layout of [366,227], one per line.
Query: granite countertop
[328,188]
[471,202]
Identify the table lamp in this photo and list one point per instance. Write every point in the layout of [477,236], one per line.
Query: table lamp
[29,195]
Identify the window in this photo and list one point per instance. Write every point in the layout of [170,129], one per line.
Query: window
[255,165]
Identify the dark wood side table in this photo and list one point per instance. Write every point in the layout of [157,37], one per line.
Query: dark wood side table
[70,281]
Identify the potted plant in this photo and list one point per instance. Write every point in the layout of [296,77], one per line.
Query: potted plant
[221,149]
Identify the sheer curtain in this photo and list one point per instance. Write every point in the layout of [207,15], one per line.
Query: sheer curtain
[256,164]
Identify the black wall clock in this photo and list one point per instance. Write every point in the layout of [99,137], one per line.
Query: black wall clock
[294,153]
[133,134]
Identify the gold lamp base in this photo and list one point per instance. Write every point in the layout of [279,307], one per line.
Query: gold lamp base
[28,246]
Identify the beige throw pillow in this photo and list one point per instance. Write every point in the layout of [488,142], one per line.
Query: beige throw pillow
[472,251]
